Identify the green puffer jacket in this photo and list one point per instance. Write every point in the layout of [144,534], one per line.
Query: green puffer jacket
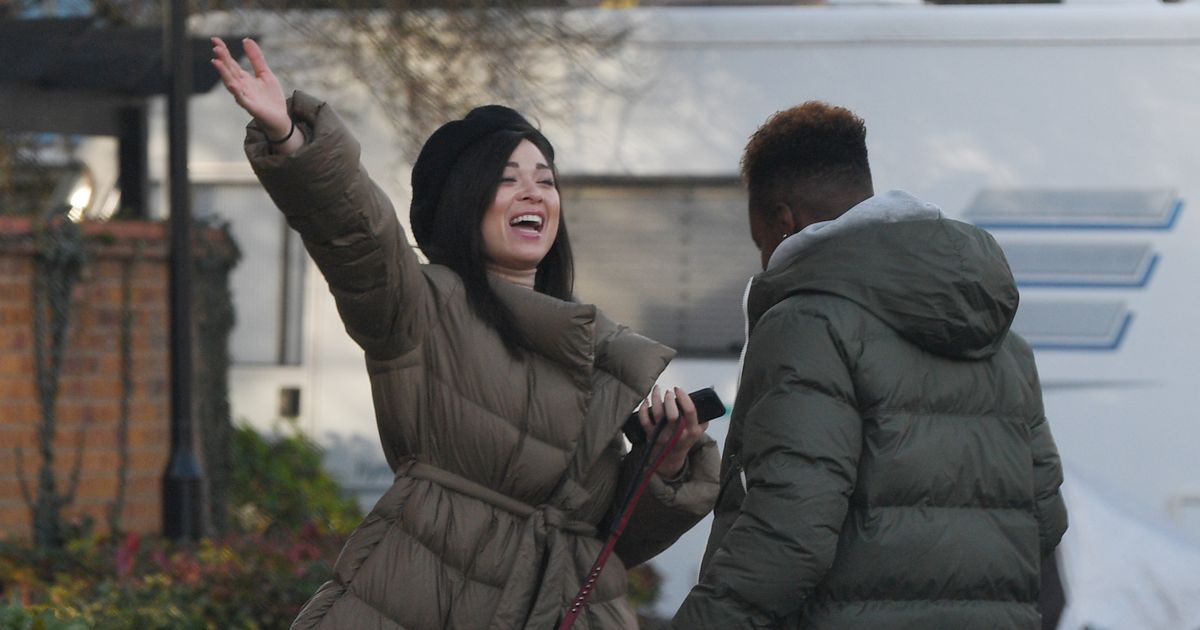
[888,463]
[505,466]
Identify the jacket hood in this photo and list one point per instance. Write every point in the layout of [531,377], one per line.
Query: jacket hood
[942,284]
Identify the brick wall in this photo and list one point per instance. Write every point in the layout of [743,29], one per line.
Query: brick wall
[90,392]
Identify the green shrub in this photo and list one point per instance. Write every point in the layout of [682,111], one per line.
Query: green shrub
[15,616]
[294,521]
[248,581]
[278,483]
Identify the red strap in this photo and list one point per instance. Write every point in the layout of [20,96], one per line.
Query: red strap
[585,591]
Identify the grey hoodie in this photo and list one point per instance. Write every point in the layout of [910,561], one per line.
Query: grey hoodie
[941,284]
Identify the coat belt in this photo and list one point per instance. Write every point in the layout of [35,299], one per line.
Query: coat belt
[554,517]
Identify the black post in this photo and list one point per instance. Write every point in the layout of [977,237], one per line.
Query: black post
[184,487]
[133,178]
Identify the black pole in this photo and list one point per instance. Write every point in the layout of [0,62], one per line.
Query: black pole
[133,178]
[184,487]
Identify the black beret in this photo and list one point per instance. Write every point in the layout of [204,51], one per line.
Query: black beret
[442,150]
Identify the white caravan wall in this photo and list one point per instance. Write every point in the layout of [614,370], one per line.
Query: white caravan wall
[957,100]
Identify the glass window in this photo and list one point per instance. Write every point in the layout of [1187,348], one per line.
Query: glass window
[668,258]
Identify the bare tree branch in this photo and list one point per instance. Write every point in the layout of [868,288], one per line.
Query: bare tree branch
[423,66]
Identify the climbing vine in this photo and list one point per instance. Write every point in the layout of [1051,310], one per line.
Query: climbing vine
[214,259]
[58,260]
[61,255]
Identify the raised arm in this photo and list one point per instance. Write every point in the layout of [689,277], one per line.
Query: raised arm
[309,163]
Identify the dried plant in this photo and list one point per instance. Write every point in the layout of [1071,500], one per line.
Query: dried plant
[422,61]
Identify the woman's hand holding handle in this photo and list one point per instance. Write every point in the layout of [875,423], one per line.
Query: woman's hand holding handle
[676,407]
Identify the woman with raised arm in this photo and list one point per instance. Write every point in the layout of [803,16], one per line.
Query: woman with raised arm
[499,400]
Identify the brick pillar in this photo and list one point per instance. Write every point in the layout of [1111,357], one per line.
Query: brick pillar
[90,390]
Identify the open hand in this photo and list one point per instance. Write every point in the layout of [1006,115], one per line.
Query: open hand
[677,407]
[260,94]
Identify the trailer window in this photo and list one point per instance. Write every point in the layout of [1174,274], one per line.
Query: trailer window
[669,258]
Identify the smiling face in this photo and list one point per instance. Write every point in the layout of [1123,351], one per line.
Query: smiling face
[521,223]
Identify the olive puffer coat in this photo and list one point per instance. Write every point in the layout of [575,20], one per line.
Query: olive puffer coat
[888,463]
[505,467]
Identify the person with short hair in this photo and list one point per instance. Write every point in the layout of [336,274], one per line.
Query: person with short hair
[888,462]
[499,399]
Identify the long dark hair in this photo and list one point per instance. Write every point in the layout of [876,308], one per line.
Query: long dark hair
[456,239]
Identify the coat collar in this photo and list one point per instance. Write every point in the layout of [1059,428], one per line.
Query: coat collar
[579,337]
[562,331]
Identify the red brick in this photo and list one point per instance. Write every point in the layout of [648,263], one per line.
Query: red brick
[73,388]
[80,363]
[15,340]
[104,388]
[150,361]
[95,435]
[109,268]
[18,411]
[107,273]
[98,488]
[97,507]
[14,517]
[99,340]
[75,511]
[98,414]
[141,293]
[16,364]
[146,524]
[144,412]
[150,434]
[111,364]
[152,388]
[152,458]
[12,315]
[108,415]
[16,291]
[10,487]
[98,320]
[95,458]
[25,463]
[147,318]
[145,506]
[144,510]
[12,266]
[144,483]
[21,391]
[155,274]
[12,388]
[12,437]
[70,411]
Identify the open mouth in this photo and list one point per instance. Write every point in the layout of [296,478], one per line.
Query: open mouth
[530,223]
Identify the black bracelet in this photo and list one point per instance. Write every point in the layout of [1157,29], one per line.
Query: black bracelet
[285,138]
